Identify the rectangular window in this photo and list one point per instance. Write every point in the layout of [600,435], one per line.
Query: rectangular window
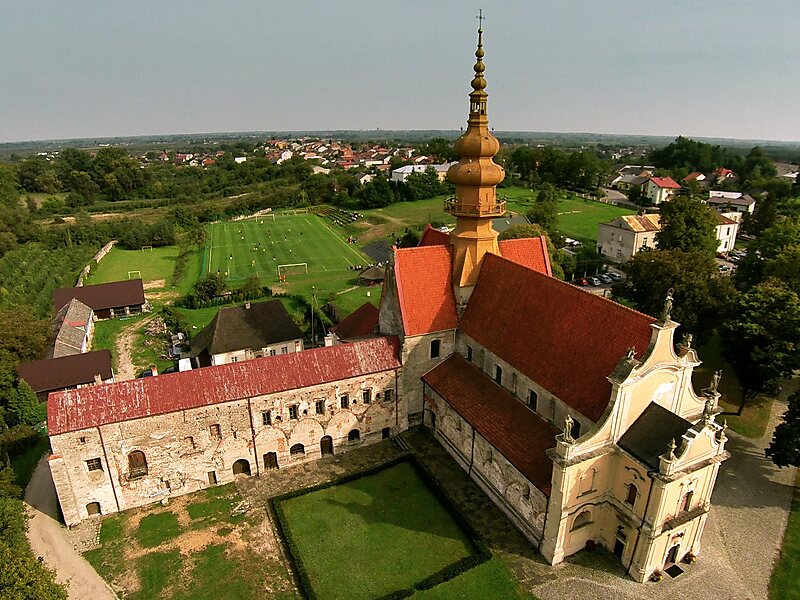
[216,432]
[82,440]
[234,359]
[366,396]
[533,399]
[388,395]
[293,412]
[212,478]
[469,353]
[344,401]
[498,375]
[94,464]
[272,352]
[266,417]
[320,407]
[284,349]
[436,347]
[189,443]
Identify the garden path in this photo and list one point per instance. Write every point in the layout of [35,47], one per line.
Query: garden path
[50,540]
[124,348]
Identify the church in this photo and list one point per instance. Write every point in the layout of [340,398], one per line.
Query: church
[576,415]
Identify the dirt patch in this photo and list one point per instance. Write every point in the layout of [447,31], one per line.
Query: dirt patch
[164,297]
[124,348]
[155,284]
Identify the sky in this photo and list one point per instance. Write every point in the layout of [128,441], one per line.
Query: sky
[713,68]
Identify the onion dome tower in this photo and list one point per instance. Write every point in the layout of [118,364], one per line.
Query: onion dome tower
[475,177]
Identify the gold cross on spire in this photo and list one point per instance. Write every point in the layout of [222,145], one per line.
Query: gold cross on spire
[480,18]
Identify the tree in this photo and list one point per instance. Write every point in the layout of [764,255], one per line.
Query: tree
[210,286]
[761,339]
[784,449]
[687,224]
[774,244]
[544,211]
[700,294]
[24,406]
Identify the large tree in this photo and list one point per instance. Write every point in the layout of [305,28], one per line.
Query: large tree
[687,224]
[700,293]
[761,338]
[784,449]
[544,211]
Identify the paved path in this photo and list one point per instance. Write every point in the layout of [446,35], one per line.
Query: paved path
[50,540]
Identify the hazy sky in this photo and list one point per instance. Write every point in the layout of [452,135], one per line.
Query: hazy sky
[723,68]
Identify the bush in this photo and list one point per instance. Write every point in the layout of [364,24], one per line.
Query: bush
[18,439]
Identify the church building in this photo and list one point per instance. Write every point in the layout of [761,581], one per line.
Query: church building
[576,415]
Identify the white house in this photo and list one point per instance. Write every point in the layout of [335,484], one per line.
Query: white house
[402,173]
[731,201]
[661,189]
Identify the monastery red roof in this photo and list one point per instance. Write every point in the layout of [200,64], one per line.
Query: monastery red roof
[102,404]
[424,278]
[666,182]
[360,323]
[514,430]
[567,340]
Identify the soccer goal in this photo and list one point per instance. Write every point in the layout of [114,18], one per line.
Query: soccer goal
[284,270]
[294,211]
[134,274]
[260,218]
[146,248]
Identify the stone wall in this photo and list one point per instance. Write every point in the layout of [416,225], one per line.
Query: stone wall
[192,449]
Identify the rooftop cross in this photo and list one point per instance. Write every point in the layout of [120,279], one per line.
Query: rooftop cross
[480,18]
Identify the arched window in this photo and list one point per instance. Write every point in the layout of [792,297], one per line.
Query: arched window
[137,464]
[297,450]
[354,435]
[576,429]
[632,493]
[687,500]
[582,520]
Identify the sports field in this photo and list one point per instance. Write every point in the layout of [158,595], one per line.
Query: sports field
[262,247]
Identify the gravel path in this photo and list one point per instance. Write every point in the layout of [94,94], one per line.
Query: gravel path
[124,346]
[50,540]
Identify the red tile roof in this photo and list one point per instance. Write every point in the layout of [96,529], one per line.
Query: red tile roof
[567,340]
[520,435]
[360,323]
[423,277]
[666,182]
[102,296]
[528,252]
[102,404]
[434,237]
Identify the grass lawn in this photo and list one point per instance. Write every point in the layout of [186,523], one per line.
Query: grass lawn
[349,301]
[156,267]
[491,580]
[752,422]
[192,549]
[785,577]
[104,336]
[387,528]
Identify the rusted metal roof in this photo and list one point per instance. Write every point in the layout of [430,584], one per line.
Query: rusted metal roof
[642,223]
[112,403]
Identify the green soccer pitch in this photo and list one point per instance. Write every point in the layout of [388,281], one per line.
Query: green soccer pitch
[257,246]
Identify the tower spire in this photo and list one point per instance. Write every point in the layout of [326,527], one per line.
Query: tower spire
[475,177]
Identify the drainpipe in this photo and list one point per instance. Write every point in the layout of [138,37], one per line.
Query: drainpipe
[471,452]
[644,516]
[544,526]
[397,400]
[253,433]
[108,465]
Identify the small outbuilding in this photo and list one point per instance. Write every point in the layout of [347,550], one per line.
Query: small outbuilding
[107,300]
[67,372]
[371,276]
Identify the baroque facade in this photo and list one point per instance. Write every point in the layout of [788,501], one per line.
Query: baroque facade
[575,415]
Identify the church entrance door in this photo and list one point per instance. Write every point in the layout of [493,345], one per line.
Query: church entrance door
[619,548]
[326,445]
[672,555]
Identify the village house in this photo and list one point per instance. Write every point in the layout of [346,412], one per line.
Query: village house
[67,372]
[731,201]
[252,330]
[574,414]
[107,300]
[401,174]
[660,189]
[71,330]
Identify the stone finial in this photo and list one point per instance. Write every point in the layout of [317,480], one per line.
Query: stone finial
[665,314]
[708,410]
[568,422]
[686,341]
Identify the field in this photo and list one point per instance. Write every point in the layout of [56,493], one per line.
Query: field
[196,548]
[156,266]
[783,585]
[388,528]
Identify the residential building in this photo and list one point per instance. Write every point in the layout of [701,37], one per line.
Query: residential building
[67,372]
[107,300]
[660,189]
[731,201]
[623,237]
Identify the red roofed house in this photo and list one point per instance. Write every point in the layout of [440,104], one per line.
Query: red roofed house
[574,414]
[661,189]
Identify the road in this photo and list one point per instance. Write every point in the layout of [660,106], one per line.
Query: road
[50,540]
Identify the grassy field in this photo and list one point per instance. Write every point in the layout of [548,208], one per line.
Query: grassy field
[193,549]
[388,528]
[156,267]
[785,577]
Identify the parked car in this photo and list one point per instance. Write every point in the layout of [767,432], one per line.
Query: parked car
[594,281]
[724,268]
[615,276]
[582,281]
[605,278]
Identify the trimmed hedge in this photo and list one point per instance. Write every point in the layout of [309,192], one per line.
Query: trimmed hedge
[447,573]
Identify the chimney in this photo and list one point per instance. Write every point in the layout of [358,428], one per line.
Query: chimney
[98,379]
[247,305]
[154,370]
